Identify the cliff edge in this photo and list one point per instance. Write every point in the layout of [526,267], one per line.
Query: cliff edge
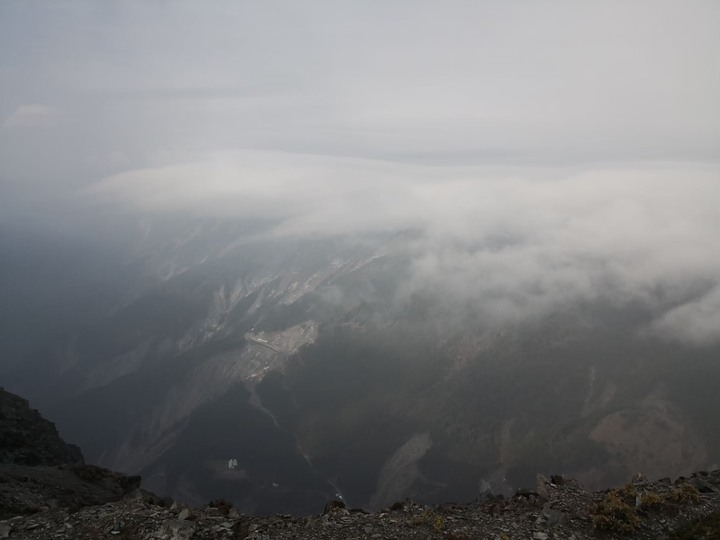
[47,492]
[39,471]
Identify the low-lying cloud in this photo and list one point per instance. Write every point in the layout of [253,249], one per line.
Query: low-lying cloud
[548,152]
[517,241]
[696,321]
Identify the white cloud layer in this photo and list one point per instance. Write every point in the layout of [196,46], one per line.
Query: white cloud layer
[518,240]
[416,81]
[548,150]
[696,322]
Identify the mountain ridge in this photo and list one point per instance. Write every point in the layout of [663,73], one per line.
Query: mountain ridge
[315,361]
[40,471]
[557,507]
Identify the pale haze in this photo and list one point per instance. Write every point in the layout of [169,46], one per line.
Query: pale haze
[507,161]
[587,131]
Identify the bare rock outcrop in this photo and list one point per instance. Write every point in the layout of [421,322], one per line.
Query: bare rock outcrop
[26,438]
[39,471]
[75,501]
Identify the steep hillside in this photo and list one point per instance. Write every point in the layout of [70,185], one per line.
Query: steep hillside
[280,372]
[26,438]
[39,470]
[83,502]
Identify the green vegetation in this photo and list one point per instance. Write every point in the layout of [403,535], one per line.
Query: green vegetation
[431,519]
[651,501]
[618,511]
[684,494]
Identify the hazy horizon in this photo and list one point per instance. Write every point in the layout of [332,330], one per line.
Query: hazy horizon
[384,249]
[546,151]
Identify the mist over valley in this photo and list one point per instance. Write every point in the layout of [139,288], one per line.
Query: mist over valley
[281,263]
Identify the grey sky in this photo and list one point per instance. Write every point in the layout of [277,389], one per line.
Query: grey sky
[588,131]
[120,85]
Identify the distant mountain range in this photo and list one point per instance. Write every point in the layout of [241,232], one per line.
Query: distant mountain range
[220,362]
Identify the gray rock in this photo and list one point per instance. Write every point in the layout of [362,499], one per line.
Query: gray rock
[175,530]
[541,486]
[555,517]
[26,438]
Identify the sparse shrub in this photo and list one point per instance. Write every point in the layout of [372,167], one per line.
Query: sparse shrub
[686,493]
[616,512]
[429,518]
[628,493]
[651,501]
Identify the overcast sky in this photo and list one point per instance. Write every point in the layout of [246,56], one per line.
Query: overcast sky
[587,133]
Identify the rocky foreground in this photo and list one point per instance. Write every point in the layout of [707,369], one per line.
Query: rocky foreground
[559,508]
[47,492]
